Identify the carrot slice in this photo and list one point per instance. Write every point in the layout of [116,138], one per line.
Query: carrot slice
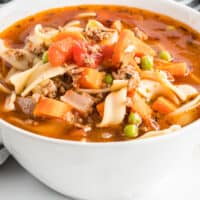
[176,69]
[140,106]
[163,105]
[91,78]
[100,108]
[125,39]
[60,52]
[47,107]
[129,43]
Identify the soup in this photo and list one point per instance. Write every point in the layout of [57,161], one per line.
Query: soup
[99,74]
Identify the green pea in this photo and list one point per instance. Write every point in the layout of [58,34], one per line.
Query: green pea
[45,57]
[147,63]
[134,118]
[165,55]
[108,79]
[131,130]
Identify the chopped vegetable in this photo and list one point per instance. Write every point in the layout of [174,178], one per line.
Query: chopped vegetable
[126,38]
[47,107]
[86,55]
[45,57]
[134,118]
[131,131]
[165,55]
[137,102]
[91,79]
[163,106]
[60,52]
[176,69]
[107,51]
[108,79]
[147,63]
[81,102]
[100,108]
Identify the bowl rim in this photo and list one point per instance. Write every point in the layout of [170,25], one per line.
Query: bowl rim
[180,132]
[159,138]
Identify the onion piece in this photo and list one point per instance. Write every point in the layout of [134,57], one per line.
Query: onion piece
[81,102]
[138,104]
[114,109]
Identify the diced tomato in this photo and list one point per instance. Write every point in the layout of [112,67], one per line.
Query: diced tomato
[98,58]
[139,54]
[131,93]
[61,51]
[107,51]
[79,53]
[83,57]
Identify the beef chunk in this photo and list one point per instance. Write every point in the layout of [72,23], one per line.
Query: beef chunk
[26,105]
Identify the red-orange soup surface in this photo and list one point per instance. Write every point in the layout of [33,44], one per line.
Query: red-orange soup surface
[99,73]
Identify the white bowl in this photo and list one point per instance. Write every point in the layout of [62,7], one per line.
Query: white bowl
[100,171]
